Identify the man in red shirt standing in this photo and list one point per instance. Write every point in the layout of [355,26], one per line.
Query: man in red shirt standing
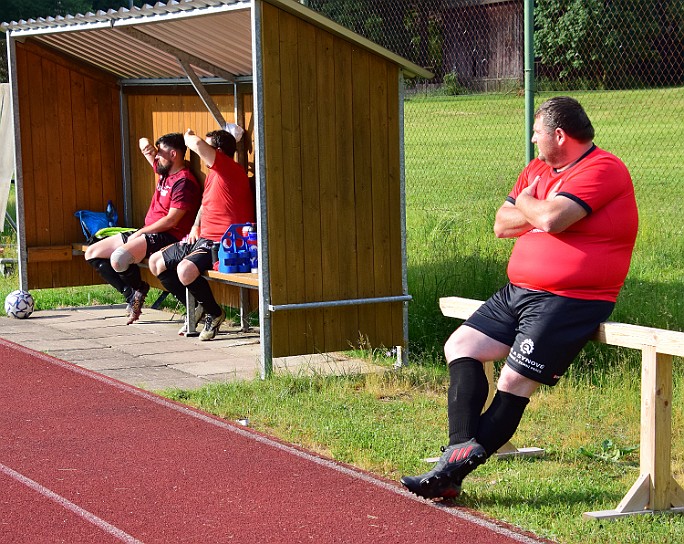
[169,218]
[574,215]
[227,200]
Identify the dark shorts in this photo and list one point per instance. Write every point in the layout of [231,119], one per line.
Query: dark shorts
[545,331]
[155,241]
[203,254]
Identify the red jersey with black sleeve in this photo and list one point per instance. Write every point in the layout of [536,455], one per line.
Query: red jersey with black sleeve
[179,190]
[590,259]
[227,198]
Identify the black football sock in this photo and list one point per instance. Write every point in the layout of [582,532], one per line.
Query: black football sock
[111,276]
[202,292]
[467,396]
[499,422]
[169,279]
[131,276]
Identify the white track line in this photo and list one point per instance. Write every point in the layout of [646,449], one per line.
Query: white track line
[80,512]
[457,513]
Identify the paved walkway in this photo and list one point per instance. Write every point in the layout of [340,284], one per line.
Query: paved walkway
[149,354]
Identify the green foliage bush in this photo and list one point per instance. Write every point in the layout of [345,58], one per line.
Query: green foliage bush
[595,44]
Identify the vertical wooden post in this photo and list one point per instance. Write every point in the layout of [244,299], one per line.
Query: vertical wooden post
[656,425]
[489,372]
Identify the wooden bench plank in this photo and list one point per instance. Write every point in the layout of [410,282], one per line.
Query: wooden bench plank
[249,280]
[615,334]
[48,254]
[245,281]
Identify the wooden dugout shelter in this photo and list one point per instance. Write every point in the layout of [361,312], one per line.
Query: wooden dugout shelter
[323,111]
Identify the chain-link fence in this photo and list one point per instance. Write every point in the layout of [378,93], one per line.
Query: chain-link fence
[465,142]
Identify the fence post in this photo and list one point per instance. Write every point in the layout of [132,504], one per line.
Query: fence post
[529,78]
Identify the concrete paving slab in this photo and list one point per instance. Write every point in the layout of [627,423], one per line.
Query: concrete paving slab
[112,363]
[150,354]
[190,355]
[156,378]
[205,368]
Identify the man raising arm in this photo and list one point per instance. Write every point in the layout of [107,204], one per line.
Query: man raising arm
[172,209]
[227,200]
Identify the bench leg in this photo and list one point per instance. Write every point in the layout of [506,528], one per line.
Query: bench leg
[190,314]
[161,298]
[655,490]
[508,449]
[244,309]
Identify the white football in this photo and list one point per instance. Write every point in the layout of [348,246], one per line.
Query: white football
[19,304]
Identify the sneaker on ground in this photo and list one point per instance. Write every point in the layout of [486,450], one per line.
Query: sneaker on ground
[444,480]
[137,303]
[211,326]
[129,303]
[199,312]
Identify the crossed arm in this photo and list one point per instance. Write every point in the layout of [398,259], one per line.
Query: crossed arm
[550,215]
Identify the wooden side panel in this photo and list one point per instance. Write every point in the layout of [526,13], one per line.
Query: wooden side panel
[311,199]
[344,180]
[326,90]
[68,115]
[275,174]
[332,175]
[361,100]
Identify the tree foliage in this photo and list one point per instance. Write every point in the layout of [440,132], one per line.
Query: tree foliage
[610,43]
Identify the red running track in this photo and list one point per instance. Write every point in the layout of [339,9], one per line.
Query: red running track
[84,458]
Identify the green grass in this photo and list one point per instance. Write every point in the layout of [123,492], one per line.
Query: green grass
[388,423]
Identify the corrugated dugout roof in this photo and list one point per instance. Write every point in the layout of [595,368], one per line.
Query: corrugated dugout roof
[214,36]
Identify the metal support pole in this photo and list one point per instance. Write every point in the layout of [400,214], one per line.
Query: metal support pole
[262,211]
[529,78]
[22,254]
[402,351]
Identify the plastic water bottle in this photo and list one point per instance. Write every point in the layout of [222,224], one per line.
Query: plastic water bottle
[253,250]
[112,216]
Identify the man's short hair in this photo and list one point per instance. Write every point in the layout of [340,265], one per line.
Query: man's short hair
[566,113]
[223,140]
[173,140]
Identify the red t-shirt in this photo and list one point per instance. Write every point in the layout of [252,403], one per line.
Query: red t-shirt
[227,198]
[180,190]
[590,259]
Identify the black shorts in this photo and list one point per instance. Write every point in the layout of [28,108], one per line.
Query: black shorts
[155,240]
[545,331]
[203,254]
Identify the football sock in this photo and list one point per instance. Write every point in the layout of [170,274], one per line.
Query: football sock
[173,285]
[202,292]
[499,422]
[104,268]
[131,276]
[467,396]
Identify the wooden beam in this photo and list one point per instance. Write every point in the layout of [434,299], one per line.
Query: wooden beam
[615,334]
[47,254]
[178,53]
[203,94]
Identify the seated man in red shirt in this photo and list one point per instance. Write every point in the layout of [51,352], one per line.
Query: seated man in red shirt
[169,218]
[574,215]
[227,200]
